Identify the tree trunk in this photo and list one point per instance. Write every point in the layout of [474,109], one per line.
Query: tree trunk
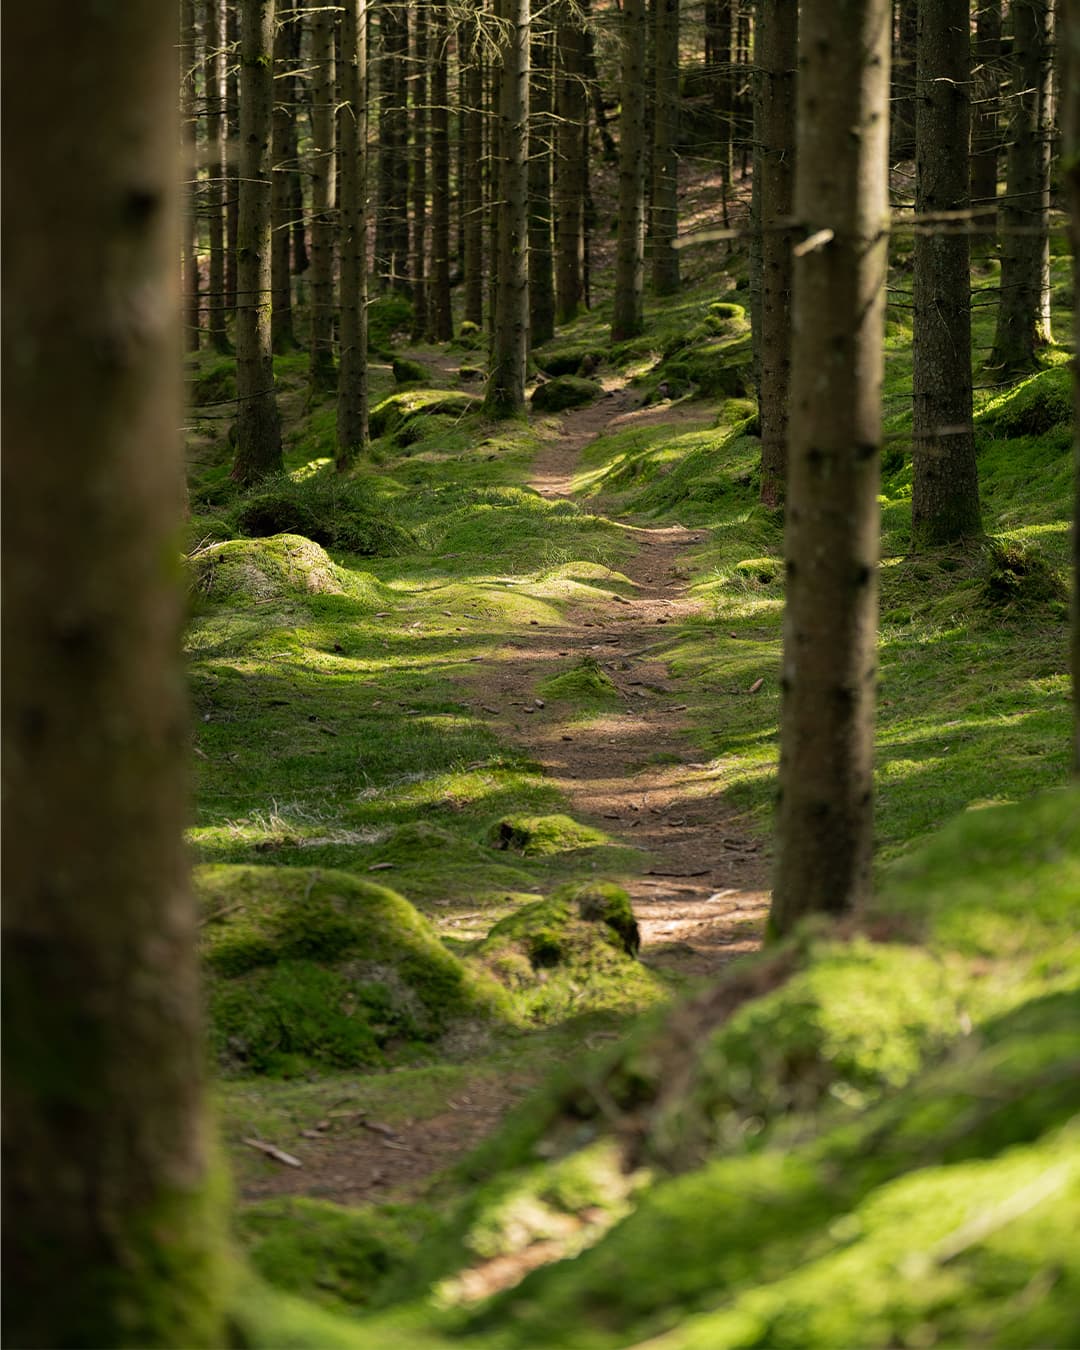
[1023,212]
[945,493]
[232,149]
[472,189]
[723,76]
[505,393]
[825,808]
[570,166]
[352,408]
[776,59]
[323,197]
[190,282]
[541,273]
[214,38]
[986,86]
[665,191]
[258,428]
[629,316]
[392,220]
[1069,35]
[286,53]
[112,1234]
[902,139]
[441,328]
[418,81]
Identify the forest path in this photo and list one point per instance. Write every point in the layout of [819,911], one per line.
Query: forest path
[633,771]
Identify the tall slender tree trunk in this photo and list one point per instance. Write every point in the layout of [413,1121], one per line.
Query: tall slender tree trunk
[541,273]
[902,138]
[392,222]
[472,188]
[776,59]
[111,1229]
[418,81]
[232,149]
[665,191]
[1024,214]
[825,809]
[258,427]
[190,283]
[505,393]
[570,184]
[442,319]
[286,53]
[323,196]
[723,74]
[986,85]
[1069,39]
[629,316]
[352,407]
[214,38]
[945,493]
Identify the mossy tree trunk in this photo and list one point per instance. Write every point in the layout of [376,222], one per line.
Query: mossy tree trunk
[665,160]
[541,271]
[352,407]
[112,1234]
[283,150]
[392,212]
[323,23]
[629,316]
[825,806]
[1069,37]
[570,169]
[1024,212]
[775,57]
[945,493]
[188,124]
[214,38]
[441,325]
[418,86]
[505,393]
[258,427]
[472,188]
[986,87]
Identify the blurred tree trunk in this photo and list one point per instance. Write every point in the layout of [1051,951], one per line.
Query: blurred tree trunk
[776,59]
[441,327]
[986,86]
[472,189]
[629,317]
[323,196]
[665,192]
[1022,320]
[112,1233]
[825,808]
[190,282]
[541,273]
[214,38]
[505,393]
[392,213]
[418,82]
[352,407]
[283,157]
[258,428]
[570,165]
[945,493]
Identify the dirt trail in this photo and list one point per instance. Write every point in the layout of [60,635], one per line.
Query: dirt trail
[634,771]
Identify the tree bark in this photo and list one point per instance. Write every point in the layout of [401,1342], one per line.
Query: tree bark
[902,138]
[986,85]
[1069,34]
[945,493]
[541,272]
[776,58]
[286,54]
[418,81]
[472,189]
[1024,212]
[112,1233]
[352,407]
[825,807]
[665,191]
[258,427]
[505,393]
[441,327]
[570,167]
[629,315]
[322,375]
[718,38]
[190,283]
[232,149]
[392,219]
[214,38]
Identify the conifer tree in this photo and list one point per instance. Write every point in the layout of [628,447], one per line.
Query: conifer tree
[665,159]
[283,153]
[352,406]
[190,282]
[570,171]
[323,23]
[541,273]
[214,38]
[441,326]
[629,317]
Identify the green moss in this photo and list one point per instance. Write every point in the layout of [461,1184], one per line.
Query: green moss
[1016,574]
[564,391]
[765,571]
[391,413]
[409,372]
[216,384]
[585,682]
[604,902]
[340,513]
[389,319]
[538,836]
[252,571]
[318,967]
[1034,407]
[576,359]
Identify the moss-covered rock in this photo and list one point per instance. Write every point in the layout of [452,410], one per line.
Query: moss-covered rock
[389,415]
[542,836]
[409,372]
[316,967]
[564,391]
[1032,408]
[575,360]
[764,571]
[286,566]
[604,902]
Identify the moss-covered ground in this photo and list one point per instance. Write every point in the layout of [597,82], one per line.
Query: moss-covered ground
[860,1137]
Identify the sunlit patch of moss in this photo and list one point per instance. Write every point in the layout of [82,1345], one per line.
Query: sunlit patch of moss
[246,571]
[539,836]
[586,682]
